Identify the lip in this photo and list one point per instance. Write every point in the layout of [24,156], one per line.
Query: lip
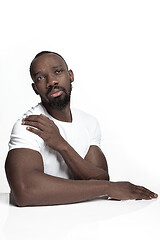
[56,93]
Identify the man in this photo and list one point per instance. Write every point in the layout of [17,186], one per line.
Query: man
[54,155]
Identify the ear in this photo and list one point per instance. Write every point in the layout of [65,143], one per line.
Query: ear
[71,74]
[35,88]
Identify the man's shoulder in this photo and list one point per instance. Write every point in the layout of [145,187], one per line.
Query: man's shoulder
[38,109]
[20,137]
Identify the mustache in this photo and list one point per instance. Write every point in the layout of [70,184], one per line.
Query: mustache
[56,87]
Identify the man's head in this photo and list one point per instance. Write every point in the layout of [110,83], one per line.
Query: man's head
[52,79]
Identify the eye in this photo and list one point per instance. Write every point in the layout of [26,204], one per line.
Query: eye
[58,71]
[40,78]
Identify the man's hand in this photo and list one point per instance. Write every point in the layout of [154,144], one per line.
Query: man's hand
[94,166]
[128,191]
[44,128]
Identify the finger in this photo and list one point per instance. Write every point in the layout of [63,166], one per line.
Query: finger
[150,193]
[46,121]
[43,115]
[38,118]
[35,131]
[145,193]
[144,196]
[37,125]
[140,193]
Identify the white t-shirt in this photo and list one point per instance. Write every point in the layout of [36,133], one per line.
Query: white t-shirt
[81,133]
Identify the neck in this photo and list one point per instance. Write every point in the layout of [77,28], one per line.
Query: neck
[63,115]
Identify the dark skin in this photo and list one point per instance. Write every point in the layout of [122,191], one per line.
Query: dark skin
[24,167]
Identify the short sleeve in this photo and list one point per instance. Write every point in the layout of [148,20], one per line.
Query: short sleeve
[21,138]
[95,133]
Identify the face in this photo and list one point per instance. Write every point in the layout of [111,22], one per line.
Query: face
[52,80]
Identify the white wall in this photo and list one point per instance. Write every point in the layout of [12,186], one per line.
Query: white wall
[113,47]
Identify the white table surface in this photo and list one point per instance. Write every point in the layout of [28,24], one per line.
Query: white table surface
[98,219]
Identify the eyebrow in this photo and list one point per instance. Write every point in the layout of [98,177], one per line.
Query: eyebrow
[35,74]
[54,67]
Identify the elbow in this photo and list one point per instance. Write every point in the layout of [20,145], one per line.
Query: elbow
[21,197]
[108,177]
[18,200]
[20,203]
[102,176]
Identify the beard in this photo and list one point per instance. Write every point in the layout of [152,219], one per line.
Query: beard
[59,103]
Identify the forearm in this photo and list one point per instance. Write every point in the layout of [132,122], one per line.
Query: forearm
[81,168]
[44,189]
[49,132]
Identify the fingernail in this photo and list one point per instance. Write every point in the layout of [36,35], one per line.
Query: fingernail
[43,115]
[23,122]
[155,195]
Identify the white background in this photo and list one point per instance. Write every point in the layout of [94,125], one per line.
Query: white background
[113,48]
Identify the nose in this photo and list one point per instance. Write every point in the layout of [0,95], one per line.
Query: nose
[51,81]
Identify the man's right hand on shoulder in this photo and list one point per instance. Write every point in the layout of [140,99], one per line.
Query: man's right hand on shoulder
[46,129]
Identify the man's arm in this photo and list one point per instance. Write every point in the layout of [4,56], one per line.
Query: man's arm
[32,187]
[94,166]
